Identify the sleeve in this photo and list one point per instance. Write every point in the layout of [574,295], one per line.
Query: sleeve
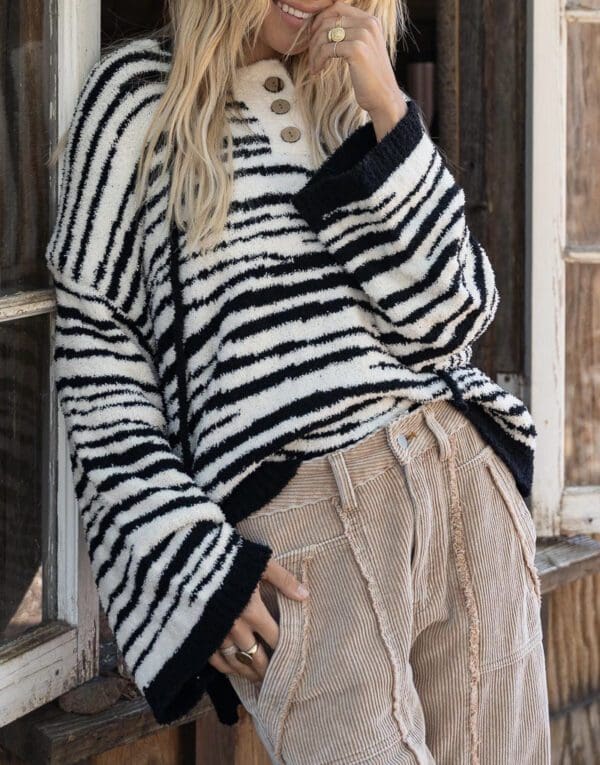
[391,213]
[172,574]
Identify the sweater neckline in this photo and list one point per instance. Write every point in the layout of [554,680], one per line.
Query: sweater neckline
[252,76]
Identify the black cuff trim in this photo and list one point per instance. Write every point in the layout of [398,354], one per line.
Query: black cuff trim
[358,167]
[182,681]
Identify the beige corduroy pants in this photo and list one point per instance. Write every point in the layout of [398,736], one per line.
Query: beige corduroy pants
[421,639]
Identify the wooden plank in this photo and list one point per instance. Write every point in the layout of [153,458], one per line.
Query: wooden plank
[167,746]
[565,559]
[78,49]
[575,733]
[21,305]
[447,80]
[584,5]
[572,652]
[583,146]
[582,255]
[546,161]
[580,510]
[49,736]
[36,667]
[582,426]
[238,745]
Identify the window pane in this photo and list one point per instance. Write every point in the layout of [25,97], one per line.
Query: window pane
[582,340]
[583,146]
[26,88]
[582,432]
[122,18]
[25,567]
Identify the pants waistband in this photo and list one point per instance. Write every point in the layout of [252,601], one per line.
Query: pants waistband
[401,440]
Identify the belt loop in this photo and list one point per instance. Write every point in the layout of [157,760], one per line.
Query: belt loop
[342,479]
[440,434]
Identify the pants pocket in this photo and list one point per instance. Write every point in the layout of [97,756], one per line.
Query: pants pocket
[500,550]
[269,700]
[520,516]
[342,709]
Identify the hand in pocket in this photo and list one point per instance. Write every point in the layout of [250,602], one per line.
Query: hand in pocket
[256,618]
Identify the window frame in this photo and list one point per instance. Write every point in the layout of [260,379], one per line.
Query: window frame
[557,509]
[61,653]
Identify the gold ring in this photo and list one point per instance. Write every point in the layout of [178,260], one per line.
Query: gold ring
[336,34]
[246,656]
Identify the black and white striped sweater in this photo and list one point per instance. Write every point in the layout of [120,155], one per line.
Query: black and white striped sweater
[192,387]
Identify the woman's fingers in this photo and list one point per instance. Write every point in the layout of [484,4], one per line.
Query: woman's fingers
[285,581]
[256,618]
[242,636]
[219,663]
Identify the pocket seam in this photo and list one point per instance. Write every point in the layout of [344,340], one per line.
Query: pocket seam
[526,541]
[473,461]
[301,663]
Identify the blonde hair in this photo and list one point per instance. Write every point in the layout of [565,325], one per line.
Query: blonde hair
[210,39]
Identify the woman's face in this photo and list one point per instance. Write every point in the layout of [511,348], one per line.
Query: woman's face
[280,27]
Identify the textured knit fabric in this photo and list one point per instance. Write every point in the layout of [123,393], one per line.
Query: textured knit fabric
[194,385]
[420,642]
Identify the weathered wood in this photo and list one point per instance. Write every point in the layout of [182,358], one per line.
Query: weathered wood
[583,146]
[447,80]
[168,746]
[584,5]
[576,734]
[492,105]
[239,745]
[546,204]
[565,559]
[582,423]
[572,646]
[49,736]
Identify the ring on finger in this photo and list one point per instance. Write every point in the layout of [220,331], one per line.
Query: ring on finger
[247,656]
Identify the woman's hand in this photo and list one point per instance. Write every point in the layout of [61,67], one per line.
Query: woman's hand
[365,51]
[256,618]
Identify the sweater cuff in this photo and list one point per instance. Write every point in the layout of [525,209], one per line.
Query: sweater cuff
[182,680]
[358,167]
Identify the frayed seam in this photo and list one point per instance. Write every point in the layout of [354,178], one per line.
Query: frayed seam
[466,584]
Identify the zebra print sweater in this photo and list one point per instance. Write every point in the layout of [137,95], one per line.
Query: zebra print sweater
[193,386]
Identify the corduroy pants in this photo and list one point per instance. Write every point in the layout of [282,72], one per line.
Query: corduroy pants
[421,639]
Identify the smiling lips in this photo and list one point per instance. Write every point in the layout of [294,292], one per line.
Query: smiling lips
[292,11]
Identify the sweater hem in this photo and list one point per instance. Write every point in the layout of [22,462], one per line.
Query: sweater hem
[184,678]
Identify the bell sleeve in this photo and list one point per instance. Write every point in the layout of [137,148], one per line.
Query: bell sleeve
[172,574]
[392,215]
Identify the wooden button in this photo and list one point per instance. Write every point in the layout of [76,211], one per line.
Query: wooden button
[274,84]
[280,106]
[290,134]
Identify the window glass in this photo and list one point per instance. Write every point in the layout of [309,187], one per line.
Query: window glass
[125,18]
[26,569]
[26,94]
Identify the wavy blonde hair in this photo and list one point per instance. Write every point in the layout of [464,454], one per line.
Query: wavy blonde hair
[210,39]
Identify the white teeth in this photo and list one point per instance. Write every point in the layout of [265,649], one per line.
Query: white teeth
[293,11]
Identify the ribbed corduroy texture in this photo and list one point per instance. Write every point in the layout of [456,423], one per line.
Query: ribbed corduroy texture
[421,639]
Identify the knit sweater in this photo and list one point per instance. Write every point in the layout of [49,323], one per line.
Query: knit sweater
[193,386]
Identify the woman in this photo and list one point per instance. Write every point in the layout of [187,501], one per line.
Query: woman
[266,296]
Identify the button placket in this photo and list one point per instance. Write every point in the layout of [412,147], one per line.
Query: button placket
[274,84]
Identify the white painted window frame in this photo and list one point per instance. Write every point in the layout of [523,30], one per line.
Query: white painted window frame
[63,653]
[557,509]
